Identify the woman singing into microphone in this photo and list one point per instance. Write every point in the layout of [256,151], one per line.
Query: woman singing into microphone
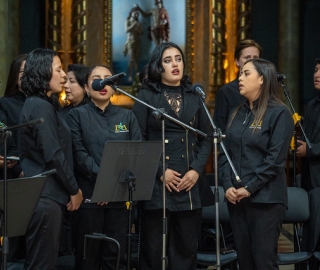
[91,126]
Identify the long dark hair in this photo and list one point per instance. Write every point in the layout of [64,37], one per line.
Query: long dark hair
[12,82]
[155,67]
[269,92]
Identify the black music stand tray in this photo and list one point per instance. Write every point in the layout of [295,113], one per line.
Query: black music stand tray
[127,166]
[23,195]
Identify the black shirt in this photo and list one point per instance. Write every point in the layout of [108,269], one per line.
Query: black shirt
[259,158]
[313,118]
[91,128]
[12,106]
[47,146]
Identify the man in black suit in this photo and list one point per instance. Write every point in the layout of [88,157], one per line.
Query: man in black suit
[311,125]
[228,96]
[311,167]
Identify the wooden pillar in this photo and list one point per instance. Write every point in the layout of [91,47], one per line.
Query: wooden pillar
[202,44]
[97,15]
[289,36]
[9,45]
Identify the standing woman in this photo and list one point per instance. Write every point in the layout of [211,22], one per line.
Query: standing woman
[11,105]
[186,156]
[92,125]
[77,96]
[44,147]
[257,140]
[12,101]
[10,108]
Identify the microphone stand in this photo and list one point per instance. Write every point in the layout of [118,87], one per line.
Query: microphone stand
[217,138]
[296,120]
[160,115]
[5,133]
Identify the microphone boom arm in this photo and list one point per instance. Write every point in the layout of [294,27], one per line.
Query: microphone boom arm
[219,139]
[116,88]
[294,112]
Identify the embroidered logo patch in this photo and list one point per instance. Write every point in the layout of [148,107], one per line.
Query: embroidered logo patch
[256,126]
[121,128]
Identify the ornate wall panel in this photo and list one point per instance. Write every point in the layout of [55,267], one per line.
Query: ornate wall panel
[54,30]
[78,31]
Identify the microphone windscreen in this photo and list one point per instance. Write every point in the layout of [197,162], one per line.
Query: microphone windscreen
[96,85]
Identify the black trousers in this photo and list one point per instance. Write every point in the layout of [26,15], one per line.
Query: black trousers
[256,229]
[183,232]
[113,222]
[43,235]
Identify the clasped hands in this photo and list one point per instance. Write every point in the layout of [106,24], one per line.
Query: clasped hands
[234,195]
[175,182]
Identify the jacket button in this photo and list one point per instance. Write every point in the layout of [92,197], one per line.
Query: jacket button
[166,141]
[182,140]
[191,123]
[182,156]
[167,157]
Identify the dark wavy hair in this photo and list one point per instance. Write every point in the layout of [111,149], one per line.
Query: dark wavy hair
[155,67]
[35,80]
[13,76]
[80,72]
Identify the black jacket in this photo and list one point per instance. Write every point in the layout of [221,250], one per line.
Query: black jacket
[91,128]
[11,151]
[184,150]
[12,106]
[312,161]
[259,158]
[47,146]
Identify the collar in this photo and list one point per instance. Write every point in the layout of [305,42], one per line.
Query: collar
[157,86]
[96,108]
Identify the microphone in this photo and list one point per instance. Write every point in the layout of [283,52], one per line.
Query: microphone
[99,84]
[198,90]
[280,76]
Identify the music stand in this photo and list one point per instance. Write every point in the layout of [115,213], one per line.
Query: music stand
[23,195]
[127,166]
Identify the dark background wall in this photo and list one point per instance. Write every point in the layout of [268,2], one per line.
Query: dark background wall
[310,46]
[32,24]
[264,29]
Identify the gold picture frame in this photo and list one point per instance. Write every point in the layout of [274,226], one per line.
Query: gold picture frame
[111,20]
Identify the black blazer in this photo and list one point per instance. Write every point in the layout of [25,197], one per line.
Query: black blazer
[312,160]
[184,150]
